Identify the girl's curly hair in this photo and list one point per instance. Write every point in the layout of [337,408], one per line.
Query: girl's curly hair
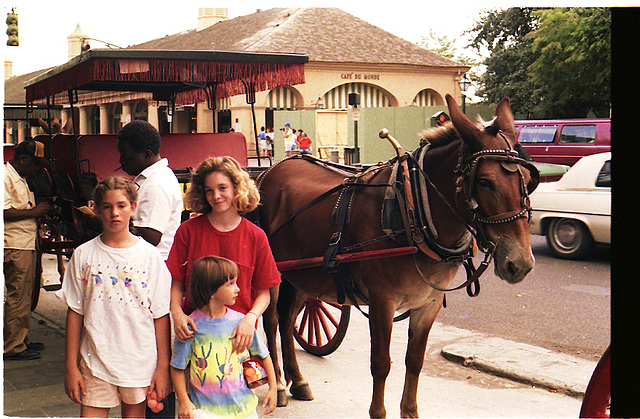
[246,197]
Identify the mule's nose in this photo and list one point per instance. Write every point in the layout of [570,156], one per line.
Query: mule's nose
[517,271]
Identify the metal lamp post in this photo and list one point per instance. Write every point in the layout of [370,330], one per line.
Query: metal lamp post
[464,85]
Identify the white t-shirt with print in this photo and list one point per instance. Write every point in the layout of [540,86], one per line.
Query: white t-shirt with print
[119,291]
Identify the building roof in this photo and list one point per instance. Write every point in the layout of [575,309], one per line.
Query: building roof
[323,34]
[14,86]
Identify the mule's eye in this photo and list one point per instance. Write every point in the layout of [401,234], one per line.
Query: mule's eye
[485,183]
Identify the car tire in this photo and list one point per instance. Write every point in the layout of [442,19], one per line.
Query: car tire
[569,238]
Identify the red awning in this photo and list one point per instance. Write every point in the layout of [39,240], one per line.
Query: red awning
[170,73]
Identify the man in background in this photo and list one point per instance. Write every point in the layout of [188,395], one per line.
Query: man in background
[20,256]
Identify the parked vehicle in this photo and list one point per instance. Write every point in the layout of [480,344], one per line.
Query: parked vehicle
[564,141]
[575,212]
[549,172]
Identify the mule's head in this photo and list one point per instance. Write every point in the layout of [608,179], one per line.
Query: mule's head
[494,185]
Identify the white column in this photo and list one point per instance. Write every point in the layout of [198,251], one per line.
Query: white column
[126,117]
[152,114]
[106,116]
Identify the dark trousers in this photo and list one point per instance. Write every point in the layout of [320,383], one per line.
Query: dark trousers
[169,410]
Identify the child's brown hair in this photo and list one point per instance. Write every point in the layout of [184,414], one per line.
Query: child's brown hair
[246,197]
[114,183]
[207,275]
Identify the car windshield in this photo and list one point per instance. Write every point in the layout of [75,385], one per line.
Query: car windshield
[604,177]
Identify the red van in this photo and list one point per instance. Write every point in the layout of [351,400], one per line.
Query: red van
[564,141]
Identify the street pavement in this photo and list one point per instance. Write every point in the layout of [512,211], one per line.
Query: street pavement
[466,374]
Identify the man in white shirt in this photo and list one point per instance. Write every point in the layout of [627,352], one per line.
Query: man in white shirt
[157,216]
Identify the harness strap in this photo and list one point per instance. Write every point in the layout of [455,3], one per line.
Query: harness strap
[339,217]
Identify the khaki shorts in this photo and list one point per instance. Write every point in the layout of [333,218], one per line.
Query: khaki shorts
[106,395]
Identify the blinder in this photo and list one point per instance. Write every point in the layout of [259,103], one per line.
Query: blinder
[509,161]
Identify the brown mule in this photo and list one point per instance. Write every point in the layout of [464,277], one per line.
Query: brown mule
[470,166]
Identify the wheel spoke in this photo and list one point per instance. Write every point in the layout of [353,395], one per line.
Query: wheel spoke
[325,310]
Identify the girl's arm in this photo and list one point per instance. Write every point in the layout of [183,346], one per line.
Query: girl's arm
[271,398]
[181,321]
[243,332]
[161,381]
[180,385]
[73,381]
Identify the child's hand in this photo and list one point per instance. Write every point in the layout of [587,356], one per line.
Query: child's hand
[153,403]
[74,385]
[160,383]
[185,411]
[183,325]
[270,400]
[243,334]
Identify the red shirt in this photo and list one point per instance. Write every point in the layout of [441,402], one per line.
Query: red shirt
[246,245]
[304,143]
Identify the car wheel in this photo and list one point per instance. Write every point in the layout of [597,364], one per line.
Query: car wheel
[569,238]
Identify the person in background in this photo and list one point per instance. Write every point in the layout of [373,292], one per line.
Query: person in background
[270,136]
[262,136]
[304,143]
[289,139]
[157,215]
[20,256]
[213,388]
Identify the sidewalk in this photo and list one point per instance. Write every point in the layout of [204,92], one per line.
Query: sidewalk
[36,387]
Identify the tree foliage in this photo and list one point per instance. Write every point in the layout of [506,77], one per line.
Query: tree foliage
[573,61]
[552,63]
[503,34]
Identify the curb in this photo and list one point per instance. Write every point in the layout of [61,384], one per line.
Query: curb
[523,363]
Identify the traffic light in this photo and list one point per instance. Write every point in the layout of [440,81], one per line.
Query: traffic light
[439,118]
[12,29]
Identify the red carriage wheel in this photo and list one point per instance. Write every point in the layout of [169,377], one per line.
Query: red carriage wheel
[597,397]
[321,327]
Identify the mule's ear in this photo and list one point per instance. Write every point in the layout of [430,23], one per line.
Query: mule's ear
[467,130]
[504,118]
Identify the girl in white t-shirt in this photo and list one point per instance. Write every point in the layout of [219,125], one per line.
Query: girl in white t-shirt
[117,288]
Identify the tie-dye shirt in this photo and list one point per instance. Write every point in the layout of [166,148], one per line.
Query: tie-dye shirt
[216,379]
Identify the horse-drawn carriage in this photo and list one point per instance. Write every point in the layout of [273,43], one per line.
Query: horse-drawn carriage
[175,77]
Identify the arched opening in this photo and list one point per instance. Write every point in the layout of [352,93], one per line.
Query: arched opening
[428,97]
[371,96]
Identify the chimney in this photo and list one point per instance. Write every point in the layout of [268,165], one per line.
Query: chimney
[75,41]
[208,16]
[8,68]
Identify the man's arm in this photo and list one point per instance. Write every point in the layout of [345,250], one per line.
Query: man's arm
[14,214]
[150,235]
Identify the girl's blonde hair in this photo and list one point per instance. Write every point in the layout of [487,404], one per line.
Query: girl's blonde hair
[246,197]
[114,183]
[207,276]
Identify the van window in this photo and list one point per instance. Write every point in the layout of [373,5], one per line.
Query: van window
[538,134]
[578,134]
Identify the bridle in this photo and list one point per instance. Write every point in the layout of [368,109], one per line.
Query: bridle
[465,182]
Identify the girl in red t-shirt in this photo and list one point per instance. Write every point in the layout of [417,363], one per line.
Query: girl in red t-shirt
[221,191]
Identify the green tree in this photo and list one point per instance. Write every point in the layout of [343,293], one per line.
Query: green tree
[504,34]
[573,61]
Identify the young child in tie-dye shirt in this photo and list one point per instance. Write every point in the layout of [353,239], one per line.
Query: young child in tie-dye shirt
[216,381]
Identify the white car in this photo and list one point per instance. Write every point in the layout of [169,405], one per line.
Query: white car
[575,212]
